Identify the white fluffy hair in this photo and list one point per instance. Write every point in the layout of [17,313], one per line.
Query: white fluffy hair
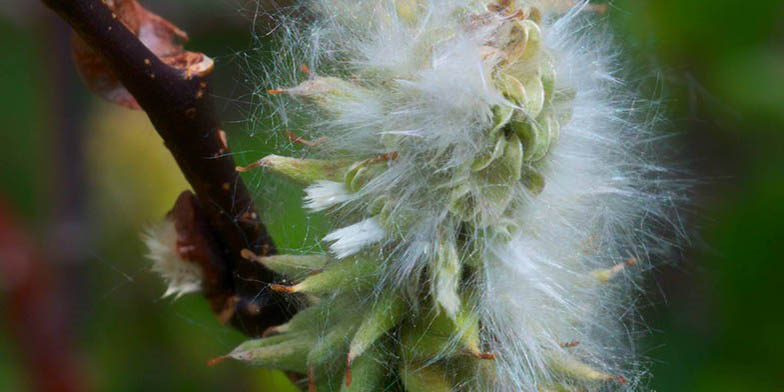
[604,194]
[181,276]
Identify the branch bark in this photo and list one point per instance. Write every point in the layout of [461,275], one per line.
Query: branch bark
[180,108]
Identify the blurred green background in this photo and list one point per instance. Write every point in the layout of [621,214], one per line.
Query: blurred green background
[83,178]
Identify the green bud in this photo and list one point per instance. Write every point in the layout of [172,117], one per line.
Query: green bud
[573,368]
[368,372]
[502,114]
[513,89]
[295,267]
[311,319]
[445,279]
[467,328]
[432,337]
[462,202]
[524,46]
[562,100]
[605,275]
[283,352]
[495,181]
[360,173]
[486,159]
[385,314]
[354,273]
[532,180]
[533,101]
[328,380]
[407,10]
[498,179]
[548,80]
[376,206]
[535,136]
[305,171]
[329,93]
[419,378]
[428,338]
[329,346]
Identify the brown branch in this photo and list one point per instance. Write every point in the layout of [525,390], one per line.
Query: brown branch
[181,110]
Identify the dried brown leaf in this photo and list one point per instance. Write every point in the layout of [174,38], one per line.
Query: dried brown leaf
[197,244]
[163,38]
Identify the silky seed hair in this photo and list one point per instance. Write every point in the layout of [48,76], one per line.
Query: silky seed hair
[181,276]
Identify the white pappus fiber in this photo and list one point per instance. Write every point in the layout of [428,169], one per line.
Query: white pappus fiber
[181,276]
[491,159]
[351,239]
[325,194]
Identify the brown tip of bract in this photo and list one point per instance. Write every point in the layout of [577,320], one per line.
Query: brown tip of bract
[390,156]
[311,380]
[282,288]
[486,356]
[229,308]
[247,254]
[218,360]
[243,169]
[348,371]
[299,140]
[276,91]
[597,8]
[305,69]
[349,359]
[571,344]
[605,275]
